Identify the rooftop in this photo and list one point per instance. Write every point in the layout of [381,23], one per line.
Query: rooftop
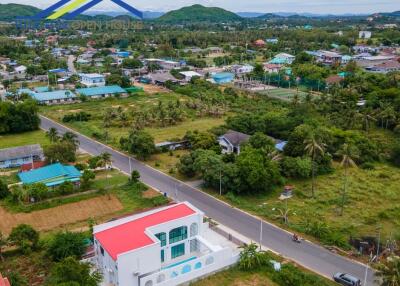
[236,138]
[20,152]
[132,235]
[92,75]
[51,175]
[53,95]
[99,90]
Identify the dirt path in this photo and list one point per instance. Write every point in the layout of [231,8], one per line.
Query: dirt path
[62,215]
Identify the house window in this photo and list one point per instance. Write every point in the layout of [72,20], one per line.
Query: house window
[162,236]
[177,250]
[178,234]
[162,255]
[27,159]
[2,162]
[102,250]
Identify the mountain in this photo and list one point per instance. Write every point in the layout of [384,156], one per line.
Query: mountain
[146,14]
[8,12]
[249,14]
[198,13]
[270,16]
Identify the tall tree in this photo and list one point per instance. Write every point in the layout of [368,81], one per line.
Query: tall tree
[52,134]
[348,154]
[72,138]
[314,148]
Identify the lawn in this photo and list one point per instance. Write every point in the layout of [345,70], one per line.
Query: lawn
[27,138]
[139,103]
[373,201]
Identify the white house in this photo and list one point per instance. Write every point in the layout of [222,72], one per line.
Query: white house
[20,69]
[365,34]
[93,79]
[189,74]
[164,247]
[242,69]
[230,142]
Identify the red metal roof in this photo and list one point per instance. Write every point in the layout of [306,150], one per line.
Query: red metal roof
[4,281]
[36,165]
[131,235]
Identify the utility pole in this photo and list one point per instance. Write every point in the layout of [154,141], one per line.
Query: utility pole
[220,182]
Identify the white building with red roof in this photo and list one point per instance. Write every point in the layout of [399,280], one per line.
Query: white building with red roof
[166,246]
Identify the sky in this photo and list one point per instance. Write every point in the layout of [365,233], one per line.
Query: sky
[262,6]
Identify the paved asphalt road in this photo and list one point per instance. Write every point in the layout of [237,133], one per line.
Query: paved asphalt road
[307,254]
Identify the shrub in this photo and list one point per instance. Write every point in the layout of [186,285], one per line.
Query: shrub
[297,168]
[66,188]
[66,244]
[24,237]
[395,156]
[4,192]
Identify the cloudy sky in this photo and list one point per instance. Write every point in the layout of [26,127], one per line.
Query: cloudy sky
[314,6]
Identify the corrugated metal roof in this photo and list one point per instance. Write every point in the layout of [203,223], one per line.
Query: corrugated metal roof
[20,152]
[50,175]
[99,90]
[53,95]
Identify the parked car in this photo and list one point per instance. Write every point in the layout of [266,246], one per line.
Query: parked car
[346,279]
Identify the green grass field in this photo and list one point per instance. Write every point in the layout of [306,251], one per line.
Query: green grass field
[373,201]
[284,93]
[141,102]
[33,137]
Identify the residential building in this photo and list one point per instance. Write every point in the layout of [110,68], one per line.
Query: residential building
[93,79]
[388,66]
[230,142]
[164,64]
[190,74]
[168,246]
[20,69]
[223,77]
[272,41]
[272,68]
[52,175]
[242,69]
[365,34]
[18,156]
[283,58]
[259,43]
[215,50]
[54,97]
[102,91]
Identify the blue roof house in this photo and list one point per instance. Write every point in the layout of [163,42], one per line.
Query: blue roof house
[54,97]
[51,176]
[223,77]
[102,91]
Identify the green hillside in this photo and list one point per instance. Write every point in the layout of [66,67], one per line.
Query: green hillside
[9,12]
[199,13]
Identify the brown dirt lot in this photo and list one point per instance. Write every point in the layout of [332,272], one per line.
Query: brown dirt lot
[60,216]
[151,88]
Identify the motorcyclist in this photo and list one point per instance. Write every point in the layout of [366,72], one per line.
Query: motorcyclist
[295,237]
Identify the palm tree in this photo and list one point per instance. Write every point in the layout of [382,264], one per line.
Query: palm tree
[314,148]
[72,138]
[348,154]
[389,273]
[52,134]
[105,161]
[367,116]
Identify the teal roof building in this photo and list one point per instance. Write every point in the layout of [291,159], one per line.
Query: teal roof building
[52,175]
[100,91]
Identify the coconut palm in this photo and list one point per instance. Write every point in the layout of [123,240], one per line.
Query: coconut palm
[105,161]
[349,154]
[314,148]
[367,117]
[52,134]
[389,273]
[71,137]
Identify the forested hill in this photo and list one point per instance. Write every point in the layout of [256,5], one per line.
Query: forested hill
[198,13]
[9,12]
